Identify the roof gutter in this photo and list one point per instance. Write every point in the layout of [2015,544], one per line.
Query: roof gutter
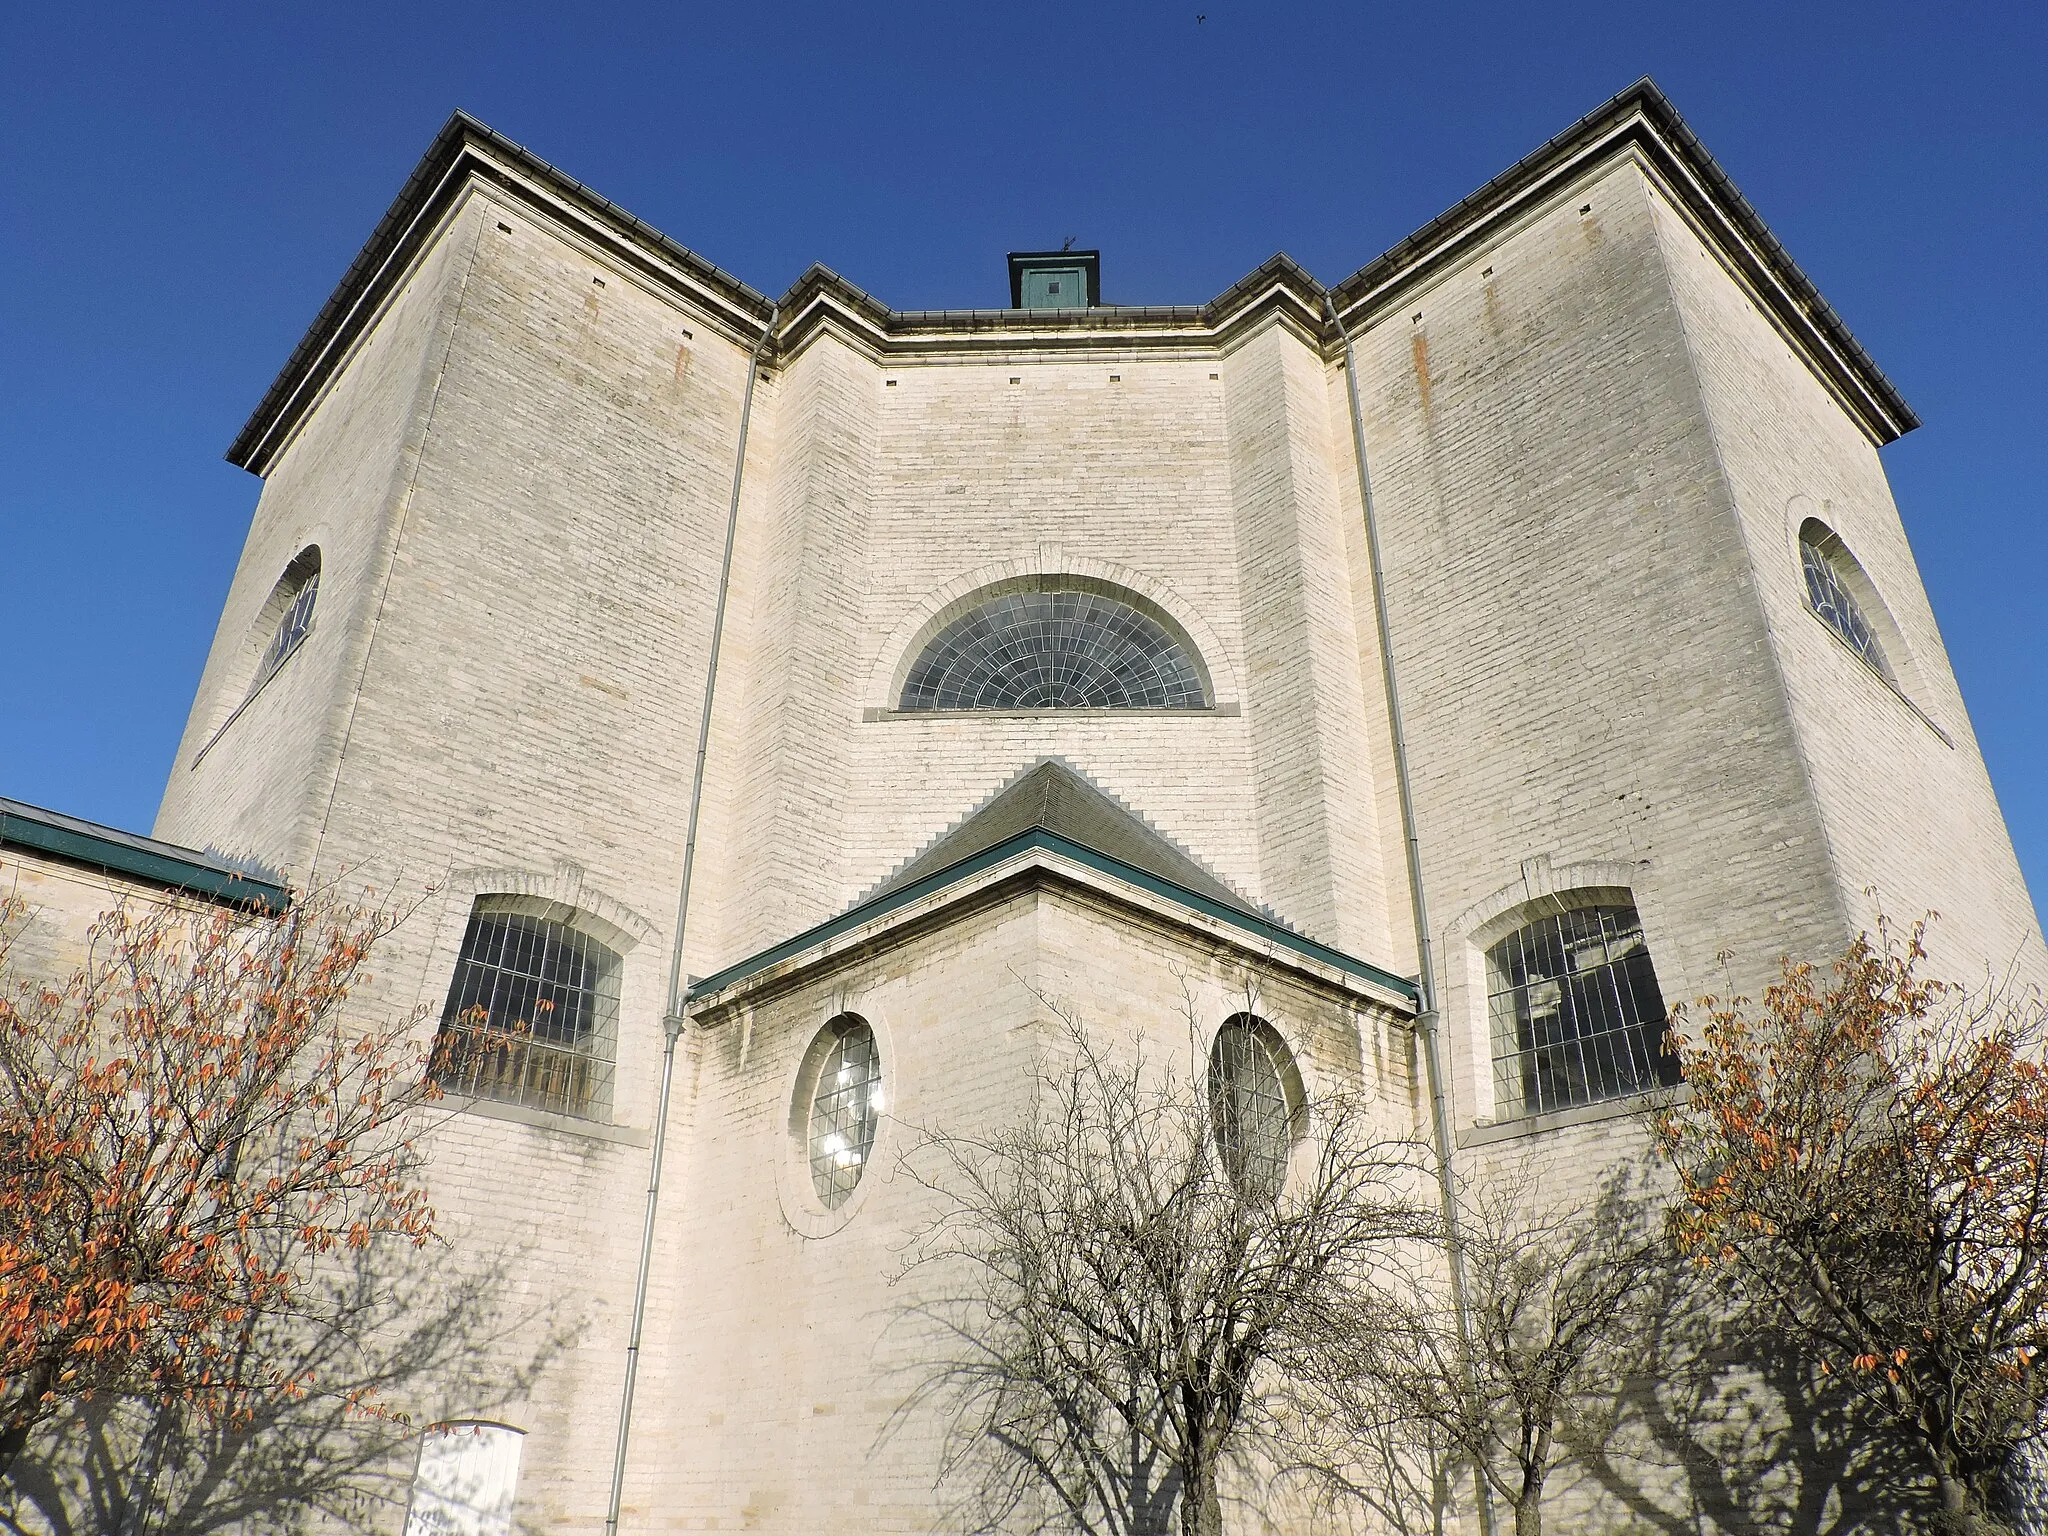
[672,1020]
[1427,1018]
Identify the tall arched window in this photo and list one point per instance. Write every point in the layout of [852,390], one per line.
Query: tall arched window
[532,1015]
[1062,644]
[1832,576]
[1248,1106]
[1576,1013]
[287,615]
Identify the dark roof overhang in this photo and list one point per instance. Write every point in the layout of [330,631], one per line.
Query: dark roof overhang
[1640,121]
[164,865]
[1034,854]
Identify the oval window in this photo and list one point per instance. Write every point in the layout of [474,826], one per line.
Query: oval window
[1248,1104]
[846,1101]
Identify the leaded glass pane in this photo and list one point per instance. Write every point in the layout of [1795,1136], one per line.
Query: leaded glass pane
[1248,1104]
[1576,1013]
[844,1107]
[532,1015]
[291,629]
[1061,649]
[1833,601]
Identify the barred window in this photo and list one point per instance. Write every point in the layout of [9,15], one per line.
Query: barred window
[1828,564]
[846,1102]
[289,612]
[1055,647]
[466,1482]
[1248,1104]
[1576,1012]
[532,1015]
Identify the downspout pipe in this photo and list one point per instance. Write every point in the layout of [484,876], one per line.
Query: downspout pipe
[672,1018]
[1427,1017]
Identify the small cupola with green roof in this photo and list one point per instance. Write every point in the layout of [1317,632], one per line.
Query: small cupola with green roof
[1055,279]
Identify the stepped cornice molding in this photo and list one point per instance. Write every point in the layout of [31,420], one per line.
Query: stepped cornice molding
[1638,125]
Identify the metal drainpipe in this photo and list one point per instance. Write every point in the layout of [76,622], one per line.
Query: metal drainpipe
[1426,1019]
[672,1020]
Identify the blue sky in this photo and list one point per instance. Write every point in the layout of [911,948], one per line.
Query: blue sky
[180,187]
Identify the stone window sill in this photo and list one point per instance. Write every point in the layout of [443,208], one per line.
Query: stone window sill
[1890,687]
[548,1120]
[1487,1133]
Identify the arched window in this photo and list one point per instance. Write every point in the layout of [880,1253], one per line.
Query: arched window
[1254,1125]
[1576,1013]
[1832,576]
[1059,645]
[466,1481]
[287,614]
[843,1081]
[532,1015]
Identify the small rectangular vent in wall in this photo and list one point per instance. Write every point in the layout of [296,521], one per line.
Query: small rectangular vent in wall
[1215,375]
[1116,378]
[890,382]
[504,229]
[1015,380]
[599,281]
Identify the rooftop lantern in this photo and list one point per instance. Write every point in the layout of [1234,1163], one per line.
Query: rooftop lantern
[1055,279]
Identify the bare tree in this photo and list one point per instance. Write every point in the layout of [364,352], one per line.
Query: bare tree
[1554,1327]
[1132,1311]
[1865,1157]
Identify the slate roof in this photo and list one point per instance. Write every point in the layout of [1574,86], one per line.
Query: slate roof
[1054,797]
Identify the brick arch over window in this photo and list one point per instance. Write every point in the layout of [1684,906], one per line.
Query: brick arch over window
[1051,570]
[1484,1012]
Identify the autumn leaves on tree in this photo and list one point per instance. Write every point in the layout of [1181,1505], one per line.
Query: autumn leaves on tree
[1865,1158]
[189,1131]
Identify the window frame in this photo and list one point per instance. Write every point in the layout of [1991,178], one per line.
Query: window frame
[1530,918]
[595,1066]
[1176,637]
[1279,1059]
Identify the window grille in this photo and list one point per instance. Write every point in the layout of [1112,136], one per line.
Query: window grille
[1248,1104]
[1576,1013]
[532,1015]
[289,631]
[1056,649]
[1836,605]
[846,1101]
[466,1482]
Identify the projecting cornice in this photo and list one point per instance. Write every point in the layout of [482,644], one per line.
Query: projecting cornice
[1642,122]
[1639,123]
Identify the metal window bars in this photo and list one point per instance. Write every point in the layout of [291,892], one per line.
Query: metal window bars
[846,1101]
[1576,1015]
[1059,649]
[532,1015]
[1248,1106]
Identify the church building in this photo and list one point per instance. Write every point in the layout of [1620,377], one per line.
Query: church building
[788,700]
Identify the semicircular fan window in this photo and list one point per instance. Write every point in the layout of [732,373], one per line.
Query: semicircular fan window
[1059,648]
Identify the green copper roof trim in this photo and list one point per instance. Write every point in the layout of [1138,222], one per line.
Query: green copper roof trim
[120,853]
[1052,842]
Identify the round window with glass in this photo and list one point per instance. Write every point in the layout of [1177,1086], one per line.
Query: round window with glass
[1248,1105]
[846,1102]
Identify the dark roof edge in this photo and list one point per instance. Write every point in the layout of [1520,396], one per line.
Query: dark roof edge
[1040,837]
[1639,116]
[433,185]
[1643,115]
[138,858]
